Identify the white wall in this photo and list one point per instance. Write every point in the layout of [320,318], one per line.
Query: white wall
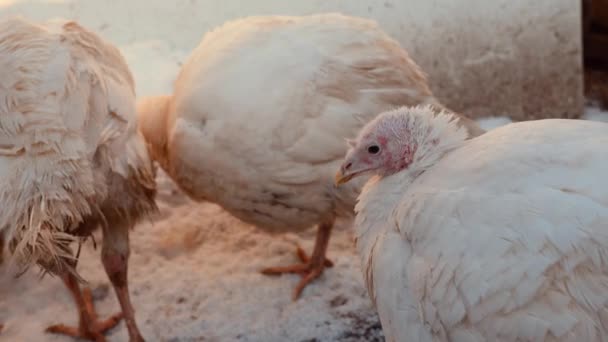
[484,57]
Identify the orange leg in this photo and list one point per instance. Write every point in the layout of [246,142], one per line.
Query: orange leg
[115,256]
[89,327]
[310,268]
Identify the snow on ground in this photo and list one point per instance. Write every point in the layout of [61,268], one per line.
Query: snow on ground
[493,122]
[594,113]
[194,268]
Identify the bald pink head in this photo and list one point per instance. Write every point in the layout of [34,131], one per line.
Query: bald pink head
[394,140]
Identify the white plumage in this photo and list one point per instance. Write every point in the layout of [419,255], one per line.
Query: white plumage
[500,238]
[260,112]
[71,157]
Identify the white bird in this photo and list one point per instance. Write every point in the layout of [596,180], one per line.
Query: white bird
[71,157]
[499,238]
[260,112]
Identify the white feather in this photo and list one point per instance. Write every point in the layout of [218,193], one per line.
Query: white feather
[262,107]
[502,239]
[67,122]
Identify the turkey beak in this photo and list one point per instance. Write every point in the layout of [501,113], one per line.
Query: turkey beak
[342,175]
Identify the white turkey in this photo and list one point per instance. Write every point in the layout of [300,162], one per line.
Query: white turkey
[71,158]
[260,112]
[499,238]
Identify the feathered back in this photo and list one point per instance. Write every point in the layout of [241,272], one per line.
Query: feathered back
[261,109]
[503,239]
[67,119]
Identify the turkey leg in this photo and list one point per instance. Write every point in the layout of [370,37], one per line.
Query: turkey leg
[88,327]
[310,268]
[115,257]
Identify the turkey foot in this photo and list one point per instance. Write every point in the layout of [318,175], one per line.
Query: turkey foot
[306,259]
[311,267]
[308,269]
[302,268]
[90,328]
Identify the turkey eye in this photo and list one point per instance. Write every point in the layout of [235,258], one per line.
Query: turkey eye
[373,149]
